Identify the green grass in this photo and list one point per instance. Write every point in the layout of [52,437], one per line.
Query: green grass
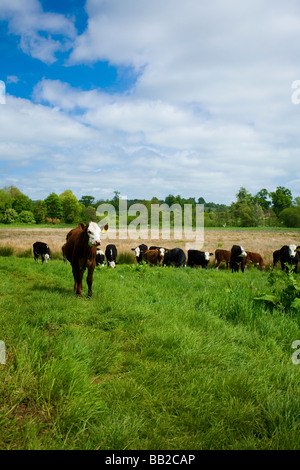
[158,358]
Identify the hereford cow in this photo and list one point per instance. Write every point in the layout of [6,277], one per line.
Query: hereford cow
[41,249]
[111,255]
[254,258]
[289,254]
[237,258]
[154,257]
[100,257]
[222,255]
[80,250]
[198,258]
[175,257]
[139,251]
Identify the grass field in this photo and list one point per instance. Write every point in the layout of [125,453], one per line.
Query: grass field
[158,358]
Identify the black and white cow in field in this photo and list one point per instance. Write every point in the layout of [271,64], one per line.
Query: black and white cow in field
[100,256]
[198,258]
[176,257]
[111,253]
[139,251]
[41,249]
[237,258]
[289,254]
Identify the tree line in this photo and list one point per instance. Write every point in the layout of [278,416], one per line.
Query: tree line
[274,209]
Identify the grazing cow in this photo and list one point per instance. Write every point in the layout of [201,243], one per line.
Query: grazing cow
[176,257]
[254,258]
[139,251]
[237,258]
[80,250]
[111,255]
[100,257]
[289,254]
[154,257]
[41,249]
[222,255]
[198,258]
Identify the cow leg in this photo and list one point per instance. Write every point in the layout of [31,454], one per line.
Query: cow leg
[89,279]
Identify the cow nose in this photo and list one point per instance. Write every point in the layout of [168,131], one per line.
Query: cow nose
[97,242]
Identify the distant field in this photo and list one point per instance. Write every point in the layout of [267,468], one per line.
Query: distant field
[262,241]
[158,359]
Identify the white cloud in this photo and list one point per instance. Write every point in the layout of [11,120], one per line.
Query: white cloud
[27,20]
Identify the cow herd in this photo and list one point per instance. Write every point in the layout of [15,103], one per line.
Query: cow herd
[82,251]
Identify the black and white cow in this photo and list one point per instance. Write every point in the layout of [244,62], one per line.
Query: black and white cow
[176,257]
[139,251]
[111,253]
[237,258]
[198,258]
[100,256]
[41,249]
[289,254]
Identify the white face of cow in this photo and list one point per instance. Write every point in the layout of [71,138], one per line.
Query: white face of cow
[243,252]
[292,251]
[94,232]
[137,252]
[47,257]
[112,264]
[206,255]
[162,252]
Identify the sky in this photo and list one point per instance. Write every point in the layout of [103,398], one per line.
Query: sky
[193,98]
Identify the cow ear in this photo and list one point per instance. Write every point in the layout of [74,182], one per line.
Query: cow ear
[104,228]
[81,225]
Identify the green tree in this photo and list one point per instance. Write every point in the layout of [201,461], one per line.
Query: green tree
[87,200]
[10,216]
[53,206]
[6,201]
[262,199]
[281,199]
[290,217]
[26,217]
[39,211]
[70,206]
[22,203]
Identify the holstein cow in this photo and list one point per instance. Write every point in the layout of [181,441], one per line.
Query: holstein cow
[100,257]
[222,255]
[289,254]
[111,255]
[237,258]
[154,257]
[80,250]
[176,257]
[254,258]
[139,251]
[41,249]
[198,258]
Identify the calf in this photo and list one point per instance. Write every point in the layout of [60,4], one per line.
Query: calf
[41,249]
[139,251]
[237,258]
[289,254]
[222,255]
[254,258]
[176,257]
[100,257]
[80,250]
[198,258]
[111,255]
[154,257]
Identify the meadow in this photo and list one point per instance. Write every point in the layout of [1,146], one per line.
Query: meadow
[158,358]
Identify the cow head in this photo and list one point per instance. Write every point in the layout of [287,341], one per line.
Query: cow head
[243,252]
[94,231]
[292,251]
[137,251]
[47,257]
[162,252]
[112,264]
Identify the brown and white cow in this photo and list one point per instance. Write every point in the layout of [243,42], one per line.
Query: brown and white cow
[254,258]
[80,250]
[222,255]
[154,257]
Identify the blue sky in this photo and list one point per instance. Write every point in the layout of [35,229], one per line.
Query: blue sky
[149,98]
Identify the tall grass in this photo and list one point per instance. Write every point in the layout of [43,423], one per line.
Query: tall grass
[158,358]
